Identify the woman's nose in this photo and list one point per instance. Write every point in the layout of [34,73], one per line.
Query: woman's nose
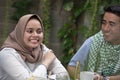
[35,33]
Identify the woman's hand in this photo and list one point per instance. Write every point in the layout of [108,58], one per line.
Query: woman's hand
[48,58]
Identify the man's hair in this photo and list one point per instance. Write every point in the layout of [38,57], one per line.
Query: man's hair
[113,9]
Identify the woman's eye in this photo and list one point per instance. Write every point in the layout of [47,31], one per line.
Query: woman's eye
[39,31]
[30,31]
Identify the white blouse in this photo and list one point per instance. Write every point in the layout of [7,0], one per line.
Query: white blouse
[12,67]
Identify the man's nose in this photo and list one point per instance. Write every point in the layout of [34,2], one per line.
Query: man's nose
[106,27]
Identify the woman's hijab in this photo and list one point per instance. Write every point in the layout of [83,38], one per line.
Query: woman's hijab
[15,40]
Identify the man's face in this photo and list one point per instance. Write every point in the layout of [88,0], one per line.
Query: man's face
[111,28]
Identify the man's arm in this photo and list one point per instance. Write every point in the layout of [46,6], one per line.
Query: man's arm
[81,56]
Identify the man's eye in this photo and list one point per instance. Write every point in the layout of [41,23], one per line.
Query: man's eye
[103,22]
[112,24]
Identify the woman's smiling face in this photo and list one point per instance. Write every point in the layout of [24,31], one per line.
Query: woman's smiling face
[33,35]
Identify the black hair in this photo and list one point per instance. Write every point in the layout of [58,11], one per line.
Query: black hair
[35,16]
[113,9]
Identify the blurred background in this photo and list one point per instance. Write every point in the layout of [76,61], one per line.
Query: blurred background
[67,23]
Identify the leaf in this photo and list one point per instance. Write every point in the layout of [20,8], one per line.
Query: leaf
[68,6]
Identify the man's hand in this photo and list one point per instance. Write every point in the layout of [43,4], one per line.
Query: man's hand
[98,77]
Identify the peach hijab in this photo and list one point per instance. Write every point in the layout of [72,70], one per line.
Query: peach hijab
[15,40]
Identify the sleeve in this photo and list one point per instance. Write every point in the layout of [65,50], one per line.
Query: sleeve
[56,68]
[59,70]
[82,53]
[16,70]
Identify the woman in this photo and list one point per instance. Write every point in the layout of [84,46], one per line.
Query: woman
[23,56]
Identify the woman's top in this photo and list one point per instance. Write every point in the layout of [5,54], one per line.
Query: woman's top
[13,67]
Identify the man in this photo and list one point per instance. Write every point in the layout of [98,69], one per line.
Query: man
[101,53]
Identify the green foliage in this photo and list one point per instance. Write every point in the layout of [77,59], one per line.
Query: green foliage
[68,6]
[68,33]
[45,16]
[22,8]
[94,27]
